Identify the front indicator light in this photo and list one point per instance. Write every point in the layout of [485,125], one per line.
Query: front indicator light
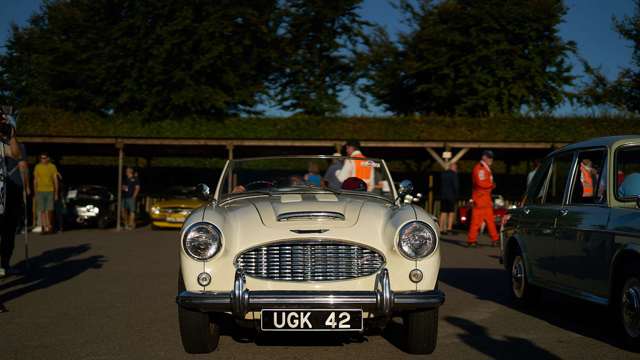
[415,276]
[204,279]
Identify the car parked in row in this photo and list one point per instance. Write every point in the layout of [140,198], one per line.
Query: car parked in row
[171,208]
[499,211]
[90,205]
[578,229]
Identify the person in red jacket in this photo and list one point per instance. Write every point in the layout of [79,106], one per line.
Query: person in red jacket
[483,184]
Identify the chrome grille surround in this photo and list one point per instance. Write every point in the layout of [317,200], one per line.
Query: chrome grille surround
[310,260]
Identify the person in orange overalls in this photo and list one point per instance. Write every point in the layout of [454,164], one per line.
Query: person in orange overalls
[586,178]
[483,184]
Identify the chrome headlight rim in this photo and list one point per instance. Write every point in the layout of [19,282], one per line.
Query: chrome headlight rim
[429,228]
[217,240]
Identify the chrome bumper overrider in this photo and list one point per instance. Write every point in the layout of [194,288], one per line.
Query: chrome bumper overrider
[381,301]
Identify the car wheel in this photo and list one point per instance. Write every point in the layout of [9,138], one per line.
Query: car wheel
[103,222]
[521,289]
[199,334]
[421,331]
[629,310]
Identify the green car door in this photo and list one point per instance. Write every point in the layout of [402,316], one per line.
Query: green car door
[539,216]
[584,247]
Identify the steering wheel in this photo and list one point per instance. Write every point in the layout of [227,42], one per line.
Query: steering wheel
[260,184]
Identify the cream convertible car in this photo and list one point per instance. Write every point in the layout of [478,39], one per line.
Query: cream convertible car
[278,252]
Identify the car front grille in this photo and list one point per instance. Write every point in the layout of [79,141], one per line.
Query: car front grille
[310,260]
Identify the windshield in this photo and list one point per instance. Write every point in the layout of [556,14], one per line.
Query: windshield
[365,176]
[89,192]
[181,192]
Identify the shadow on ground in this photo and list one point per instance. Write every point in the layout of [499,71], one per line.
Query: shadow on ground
[570,314]
[477,337]
[48,269]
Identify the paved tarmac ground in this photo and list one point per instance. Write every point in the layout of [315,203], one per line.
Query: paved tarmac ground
[94,294]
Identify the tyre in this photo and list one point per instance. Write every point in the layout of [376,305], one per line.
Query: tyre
[628,309]
[199,334]
[521,289]
[103,222]
[421,331]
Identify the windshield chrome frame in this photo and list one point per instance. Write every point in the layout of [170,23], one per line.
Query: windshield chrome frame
[228,166]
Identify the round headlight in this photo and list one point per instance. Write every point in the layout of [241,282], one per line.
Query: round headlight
[202,241]
[417,240]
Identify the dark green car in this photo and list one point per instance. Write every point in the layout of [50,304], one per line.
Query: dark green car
[578,229]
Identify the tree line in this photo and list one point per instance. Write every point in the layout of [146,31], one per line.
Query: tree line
[216,58]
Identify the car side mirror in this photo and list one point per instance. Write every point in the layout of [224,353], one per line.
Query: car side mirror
[405,188]
[203,191]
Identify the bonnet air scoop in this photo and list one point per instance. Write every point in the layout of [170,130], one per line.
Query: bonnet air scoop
[310,216]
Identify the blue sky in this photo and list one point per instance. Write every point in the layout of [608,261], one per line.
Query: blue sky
[588,23]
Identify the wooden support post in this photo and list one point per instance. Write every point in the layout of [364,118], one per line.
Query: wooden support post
[230,179]
[430,199]
[230,152]
[437,157]
[459,155]
[120,148]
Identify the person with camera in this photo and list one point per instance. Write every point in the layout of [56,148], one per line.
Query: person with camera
[13,174]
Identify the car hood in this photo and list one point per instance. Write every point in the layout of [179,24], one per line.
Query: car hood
[295,209]
[305,210]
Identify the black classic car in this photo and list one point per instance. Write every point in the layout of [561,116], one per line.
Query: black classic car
[90,205]
[578,229]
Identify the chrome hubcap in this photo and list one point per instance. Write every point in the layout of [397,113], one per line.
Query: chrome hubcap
[517,277]
[631,307]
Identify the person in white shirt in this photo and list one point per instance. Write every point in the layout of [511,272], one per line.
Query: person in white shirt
[356,168]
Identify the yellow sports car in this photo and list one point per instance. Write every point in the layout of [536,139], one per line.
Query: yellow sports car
[172,209]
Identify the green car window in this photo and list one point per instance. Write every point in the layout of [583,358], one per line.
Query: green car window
[589,183]
[557,182]
[535,192]
[627,173]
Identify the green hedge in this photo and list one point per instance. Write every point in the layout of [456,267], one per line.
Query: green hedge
[44,121]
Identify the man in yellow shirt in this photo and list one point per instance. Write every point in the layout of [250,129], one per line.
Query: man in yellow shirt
[45,183]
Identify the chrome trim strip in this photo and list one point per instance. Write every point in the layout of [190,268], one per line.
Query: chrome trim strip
[311,215]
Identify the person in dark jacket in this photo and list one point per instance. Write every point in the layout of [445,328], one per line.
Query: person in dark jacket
[449,195]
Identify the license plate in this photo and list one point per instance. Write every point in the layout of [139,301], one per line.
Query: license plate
[175,219]
[311,320]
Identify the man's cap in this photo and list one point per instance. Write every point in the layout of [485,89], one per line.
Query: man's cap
[354,143]
[488,153]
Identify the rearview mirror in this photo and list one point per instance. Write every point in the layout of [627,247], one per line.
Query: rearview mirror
[203,192]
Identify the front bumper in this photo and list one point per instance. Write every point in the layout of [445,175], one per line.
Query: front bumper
[381,301]
[165,224]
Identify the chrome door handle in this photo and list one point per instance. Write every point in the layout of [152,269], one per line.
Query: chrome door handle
[526,211]
[564,212]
